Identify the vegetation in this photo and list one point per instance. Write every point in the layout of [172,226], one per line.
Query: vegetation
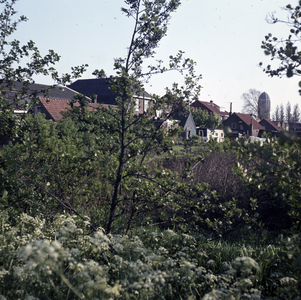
[289,116]
[285,50]
[204,119]
[250,102]
[63,260]
[131,218]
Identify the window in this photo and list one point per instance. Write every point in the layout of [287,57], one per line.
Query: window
[241,127]
[137,104]
[146,105]
[222,134]
[233,125]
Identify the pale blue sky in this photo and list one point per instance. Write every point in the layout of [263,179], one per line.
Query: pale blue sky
[223,37]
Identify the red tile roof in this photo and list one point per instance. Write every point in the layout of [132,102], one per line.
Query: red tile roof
[210,106]
[55,107]
[248,119]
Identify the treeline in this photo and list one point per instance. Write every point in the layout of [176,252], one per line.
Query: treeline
[287,114]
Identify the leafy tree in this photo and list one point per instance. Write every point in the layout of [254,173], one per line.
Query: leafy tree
[120,174]
[250,102]
[58,169]
[136,136]
[285,50]
[117,182]
[276,173]
[296,114]
[204,119]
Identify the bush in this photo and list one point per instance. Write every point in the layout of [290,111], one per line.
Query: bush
[62,261]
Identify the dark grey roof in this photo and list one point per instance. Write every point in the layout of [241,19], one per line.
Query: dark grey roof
[26,93]
[182,118]
[51,91]
[99,87]
[38,90]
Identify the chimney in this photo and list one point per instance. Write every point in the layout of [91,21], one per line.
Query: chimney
[230,113]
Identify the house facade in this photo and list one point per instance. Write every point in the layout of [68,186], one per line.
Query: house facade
[244,124]
[205,134]
[270,126]
[187,123]
[178,119]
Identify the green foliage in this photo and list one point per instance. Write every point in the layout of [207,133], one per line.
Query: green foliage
[60,260]
[203,119]
[274,169]
[285,50]
[134,136]
[52,169]
[62,183]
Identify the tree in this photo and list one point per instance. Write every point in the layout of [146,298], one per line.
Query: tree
[296,114]
[276,173]
[135,135]
[276,115]
[288,113]
[285,50]
[108,159]
[282,115]
[250,102]
[204,119]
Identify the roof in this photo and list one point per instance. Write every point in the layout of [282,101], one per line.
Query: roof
[42,90]
[211,106]
[271,123]
[55,107]
[181,117]
[99,87]
[248,119]
[182,120]
[28,92]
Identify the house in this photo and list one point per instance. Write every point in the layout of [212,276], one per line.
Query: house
[282,125]
[184,120]
[205,134]
[187,123]
[99,89]
[50,100]
[270,126]
[211,107]
[294,127]
[244,124]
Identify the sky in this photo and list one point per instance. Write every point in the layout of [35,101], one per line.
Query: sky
[223,37]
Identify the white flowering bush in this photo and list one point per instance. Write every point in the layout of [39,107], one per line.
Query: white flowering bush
[64,260]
